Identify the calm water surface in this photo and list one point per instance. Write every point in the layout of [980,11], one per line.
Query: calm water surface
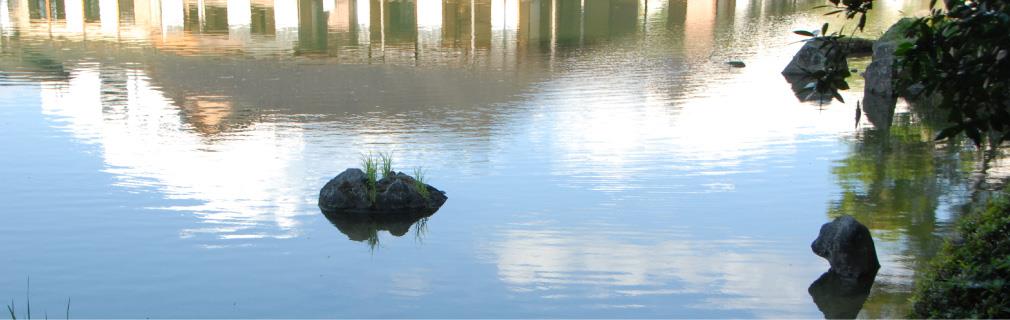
[162,158]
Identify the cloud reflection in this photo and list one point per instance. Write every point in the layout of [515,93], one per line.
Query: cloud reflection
[733,274]
[244,180]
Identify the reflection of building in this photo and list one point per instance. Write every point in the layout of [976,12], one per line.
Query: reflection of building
[392,31]
[393,21]
[466,23]
[610,18]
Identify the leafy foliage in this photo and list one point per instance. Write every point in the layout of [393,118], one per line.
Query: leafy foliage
[960,57]
[851,8]
[969,280]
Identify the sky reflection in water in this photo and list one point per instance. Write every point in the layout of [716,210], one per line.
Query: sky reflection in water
[600,159]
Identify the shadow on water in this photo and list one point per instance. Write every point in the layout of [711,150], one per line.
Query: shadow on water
[366,228]
[838,297]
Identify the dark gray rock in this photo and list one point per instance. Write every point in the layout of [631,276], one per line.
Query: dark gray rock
[395,195]
[347,191]
[857,46]
[815,56]
[879,93]
[848,247]
[879,96]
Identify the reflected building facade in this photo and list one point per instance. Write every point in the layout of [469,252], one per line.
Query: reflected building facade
[356,31]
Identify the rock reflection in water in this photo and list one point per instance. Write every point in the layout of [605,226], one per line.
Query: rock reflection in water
[839,297]
[365,228]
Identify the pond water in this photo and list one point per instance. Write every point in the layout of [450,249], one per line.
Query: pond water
[162,158]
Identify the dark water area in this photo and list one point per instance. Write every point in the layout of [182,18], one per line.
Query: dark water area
[163,158]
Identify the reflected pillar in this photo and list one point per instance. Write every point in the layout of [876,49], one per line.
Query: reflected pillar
[311,26]
[568,22]
[343,17]
[466,23]
[608,18]
[534,23]
[676,14]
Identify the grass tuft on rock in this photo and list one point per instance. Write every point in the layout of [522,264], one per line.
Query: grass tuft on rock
[969,278]
[419,182]
[370,164]
[387,163]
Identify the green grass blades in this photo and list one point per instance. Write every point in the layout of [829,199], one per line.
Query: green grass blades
[387,163]
[370,164]
[419,182]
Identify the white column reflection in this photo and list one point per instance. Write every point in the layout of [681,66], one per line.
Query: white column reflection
[172,18]
[239,19]
[286,23]
[6,27]
[108,13]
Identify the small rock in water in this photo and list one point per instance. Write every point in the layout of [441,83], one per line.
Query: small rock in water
[396,194]
[848,247]
[738,64]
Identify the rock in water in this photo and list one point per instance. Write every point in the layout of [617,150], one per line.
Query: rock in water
[848,247]
[396,195]
[815,56]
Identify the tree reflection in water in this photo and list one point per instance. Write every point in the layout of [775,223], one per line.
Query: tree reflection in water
[896,181]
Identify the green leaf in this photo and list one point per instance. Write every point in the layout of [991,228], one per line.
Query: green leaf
[824,28]
[833,12]
[804,33]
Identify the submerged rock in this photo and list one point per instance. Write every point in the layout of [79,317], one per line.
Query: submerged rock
[396,195]
[848,247]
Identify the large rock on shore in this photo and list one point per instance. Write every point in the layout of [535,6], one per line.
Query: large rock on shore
[396,195]
[848,247]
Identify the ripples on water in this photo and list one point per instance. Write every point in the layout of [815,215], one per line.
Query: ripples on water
[163,158]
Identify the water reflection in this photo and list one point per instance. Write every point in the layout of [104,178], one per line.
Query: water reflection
[905,188]
[236,110]
[838,297]
[366,229]
[624,269]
